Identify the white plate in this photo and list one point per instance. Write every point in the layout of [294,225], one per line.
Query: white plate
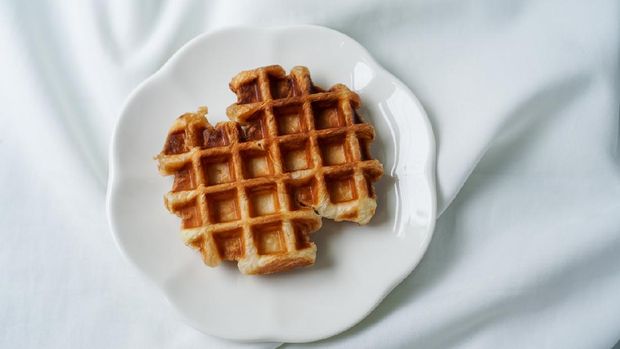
[357,266]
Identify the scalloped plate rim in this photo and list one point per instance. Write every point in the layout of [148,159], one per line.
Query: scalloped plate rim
[160,74]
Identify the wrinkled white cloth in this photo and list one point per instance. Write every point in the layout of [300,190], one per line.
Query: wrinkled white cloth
[523,97]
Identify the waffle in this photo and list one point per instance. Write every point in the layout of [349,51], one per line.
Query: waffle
[254,189]
[317,135]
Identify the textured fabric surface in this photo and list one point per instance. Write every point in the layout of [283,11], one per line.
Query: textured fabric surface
[524,100]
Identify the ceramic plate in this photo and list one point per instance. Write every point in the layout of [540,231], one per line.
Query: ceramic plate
[356,267]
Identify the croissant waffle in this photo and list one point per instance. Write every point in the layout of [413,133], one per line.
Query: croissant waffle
[254,189]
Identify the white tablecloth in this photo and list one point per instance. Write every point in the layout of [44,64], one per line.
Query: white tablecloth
[524,99]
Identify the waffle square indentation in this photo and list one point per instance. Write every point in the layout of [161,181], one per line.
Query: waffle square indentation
[223,206]
[334,150]
[295,155]
[214,137]
[175,143]
[256,163]
[302,195]
[341,187]
[249,92]
[269,238]
[254,128]
[327,115]
[263,200]
[218,169]
[302,238]
[289,119]
[229,244]
[283,88]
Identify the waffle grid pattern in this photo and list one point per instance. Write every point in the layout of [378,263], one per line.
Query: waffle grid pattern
[249,191]
[334,138]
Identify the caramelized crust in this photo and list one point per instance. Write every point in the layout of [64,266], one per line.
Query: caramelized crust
[253,189]
[319,136]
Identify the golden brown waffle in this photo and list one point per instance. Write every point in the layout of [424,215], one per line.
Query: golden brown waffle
[248,191]
[317,135]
